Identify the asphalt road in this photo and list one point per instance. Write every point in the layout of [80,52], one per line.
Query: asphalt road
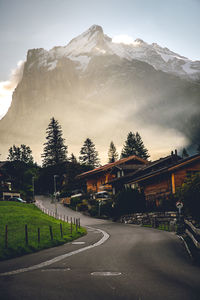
[133,263]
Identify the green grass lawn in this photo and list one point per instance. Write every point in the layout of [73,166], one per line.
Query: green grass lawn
[17,215]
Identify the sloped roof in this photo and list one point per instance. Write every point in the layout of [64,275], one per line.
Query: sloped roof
[174,165]
[150,168]
[111,165]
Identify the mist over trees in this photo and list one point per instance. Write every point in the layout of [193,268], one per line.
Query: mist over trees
[184,153]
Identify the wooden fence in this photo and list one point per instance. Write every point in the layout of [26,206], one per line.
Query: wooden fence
[193,233]
[28,233]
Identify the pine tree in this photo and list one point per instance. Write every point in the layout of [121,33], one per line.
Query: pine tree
[129,146]
[185,153]
[22,153]
[141,151]
[112,153]
[55,151]
[89,155]
[73,158]
[134,146]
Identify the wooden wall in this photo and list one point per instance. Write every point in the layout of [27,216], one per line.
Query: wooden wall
[94,184]
[181,174]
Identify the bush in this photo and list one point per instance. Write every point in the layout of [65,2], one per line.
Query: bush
[189,194]
[82,207]
[107,209]
[93,211]
[75,201]
[129,201]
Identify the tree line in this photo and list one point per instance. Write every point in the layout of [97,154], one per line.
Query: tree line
[56,152]
[27,177]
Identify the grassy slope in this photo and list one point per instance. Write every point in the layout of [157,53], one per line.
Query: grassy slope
[16,215]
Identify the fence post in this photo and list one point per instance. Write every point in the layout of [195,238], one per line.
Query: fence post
[67,219]
[26,234]
[61,232]
[51,232]
[71,227]
[6,236]
[38,235]
[76,224]
[79,223]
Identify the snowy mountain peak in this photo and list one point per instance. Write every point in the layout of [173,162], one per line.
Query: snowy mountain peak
[139,41]
[94,28]
[93,42]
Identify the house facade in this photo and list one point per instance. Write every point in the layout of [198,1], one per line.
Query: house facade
[99,178]
[161,178]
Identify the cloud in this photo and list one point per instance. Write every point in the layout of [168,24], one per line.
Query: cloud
[123,38]
[7,88]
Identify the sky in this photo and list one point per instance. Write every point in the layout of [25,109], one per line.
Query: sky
[28,24]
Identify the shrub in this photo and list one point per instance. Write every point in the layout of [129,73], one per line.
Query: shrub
[129,201]
[82,207]
[189,194]
[93,211]
[75,201]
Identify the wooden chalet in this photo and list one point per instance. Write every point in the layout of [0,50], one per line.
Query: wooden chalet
[160,178]
[99,178]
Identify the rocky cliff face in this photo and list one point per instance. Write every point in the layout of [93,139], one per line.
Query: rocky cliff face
[100,89]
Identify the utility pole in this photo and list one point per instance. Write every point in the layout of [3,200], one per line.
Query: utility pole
[33,187]
[54,178]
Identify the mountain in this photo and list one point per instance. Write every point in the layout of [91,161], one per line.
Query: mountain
[102,89]
[93,43]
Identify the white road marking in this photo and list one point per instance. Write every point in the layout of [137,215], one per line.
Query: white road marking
[55,270]
[78,243]
[106,273]
[59,258]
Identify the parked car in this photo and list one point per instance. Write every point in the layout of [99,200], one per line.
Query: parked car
[17,199]
[104,195]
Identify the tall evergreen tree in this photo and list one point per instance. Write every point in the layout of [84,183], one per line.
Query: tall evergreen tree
[185,153]
[112,153]
[129,147]
[141,151]
[22,153]
[73,158]
[134,146]
[89,155]
[55,151]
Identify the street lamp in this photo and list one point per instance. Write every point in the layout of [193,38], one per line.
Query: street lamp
[100,202]
[33,187]
[54,180]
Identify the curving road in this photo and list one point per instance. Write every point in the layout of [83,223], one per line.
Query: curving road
[133,263]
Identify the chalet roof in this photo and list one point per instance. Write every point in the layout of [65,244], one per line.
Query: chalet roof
[126,167]
[174,165]
[111,165]
[150,168]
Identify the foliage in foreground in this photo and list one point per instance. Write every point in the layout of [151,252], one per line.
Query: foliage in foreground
[189,194]
[16,215]
[129,201]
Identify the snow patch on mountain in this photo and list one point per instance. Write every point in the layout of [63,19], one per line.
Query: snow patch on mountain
[93,42]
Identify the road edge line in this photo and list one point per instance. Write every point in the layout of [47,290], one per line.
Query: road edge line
[60,257]
[186,246]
